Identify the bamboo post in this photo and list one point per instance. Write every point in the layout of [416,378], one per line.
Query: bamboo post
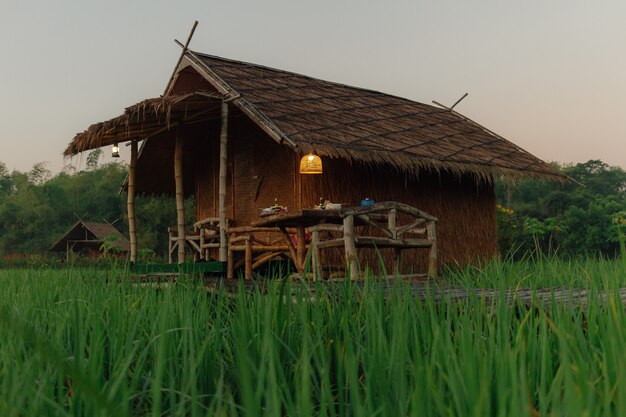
[393,229]
[432,253]
[391,223]
[350,246]
[230,267]
[315,255]
[222,181]
[248,258]
[301,249]
[180,196]
[132,220]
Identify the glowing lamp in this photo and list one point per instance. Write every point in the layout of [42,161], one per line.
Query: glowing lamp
[311,164]
[115,150]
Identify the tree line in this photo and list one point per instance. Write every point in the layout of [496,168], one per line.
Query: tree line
[580,217]
[569,219]
[37,208]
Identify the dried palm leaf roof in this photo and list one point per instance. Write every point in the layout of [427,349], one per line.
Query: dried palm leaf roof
[145,119]
[336,120]
[90,232]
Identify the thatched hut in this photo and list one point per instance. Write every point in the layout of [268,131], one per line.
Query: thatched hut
[89,237]
[233,133]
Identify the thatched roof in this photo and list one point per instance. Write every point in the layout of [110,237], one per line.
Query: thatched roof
[333,120]
[144,119]
[88,234]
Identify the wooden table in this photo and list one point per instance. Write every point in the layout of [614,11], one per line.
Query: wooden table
[416,231]
[299,220]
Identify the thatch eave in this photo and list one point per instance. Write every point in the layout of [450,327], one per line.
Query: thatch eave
[413,165]
[144,119]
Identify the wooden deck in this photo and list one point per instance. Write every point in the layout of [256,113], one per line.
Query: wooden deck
[421,289]
[426,290]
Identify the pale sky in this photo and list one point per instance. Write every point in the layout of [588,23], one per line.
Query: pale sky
[548,75]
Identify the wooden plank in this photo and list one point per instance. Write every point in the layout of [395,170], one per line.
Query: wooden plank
[334,243]
[382,242]
[326,227]
[259,248]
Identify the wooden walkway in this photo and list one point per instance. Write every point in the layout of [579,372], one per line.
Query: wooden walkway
[425,290]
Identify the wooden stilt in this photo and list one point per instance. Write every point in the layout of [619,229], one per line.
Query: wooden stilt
[301,249]
[352,260]
[315,255]
[230,269]
[432,253]
[248,259]
[222,182]
[132,220]
[180,195]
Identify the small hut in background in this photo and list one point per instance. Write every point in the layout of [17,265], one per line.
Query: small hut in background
[90,237]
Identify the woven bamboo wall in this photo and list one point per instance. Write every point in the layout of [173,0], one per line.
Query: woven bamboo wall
[466,229]
[261,170]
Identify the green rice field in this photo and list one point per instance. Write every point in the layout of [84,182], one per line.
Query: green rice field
[77,343]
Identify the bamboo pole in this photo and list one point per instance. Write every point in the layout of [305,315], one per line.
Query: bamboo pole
[391,223]
[182,54]
[180,195]
[315,256]
[432,253]
[352,260]
[230,268]
[300,250]
[132,219]
[248,259]
[222,182]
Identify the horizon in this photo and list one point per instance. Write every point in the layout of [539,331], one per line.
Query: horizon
[548,77]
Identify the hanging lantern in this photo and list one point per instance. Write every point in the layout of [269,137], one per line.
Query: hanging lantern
[311,164]
[115,150]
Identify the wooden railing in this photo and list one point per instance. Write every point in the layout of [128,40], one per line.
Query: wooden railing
[258,245]
[204,237]
[390,225]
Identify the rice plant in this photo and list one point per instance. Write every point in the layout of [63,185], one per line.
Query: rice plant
[76,343]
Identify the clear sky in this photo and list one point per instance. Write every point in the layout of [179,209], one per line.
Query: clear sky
[547,75]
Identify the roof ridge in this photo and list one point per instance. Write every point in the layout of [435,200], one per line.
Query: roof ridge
[334,83]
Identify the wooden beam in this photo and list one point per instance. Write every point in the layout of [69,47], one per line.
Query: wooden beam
[132,220]
[182,54]
[180,195]
[223,252]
